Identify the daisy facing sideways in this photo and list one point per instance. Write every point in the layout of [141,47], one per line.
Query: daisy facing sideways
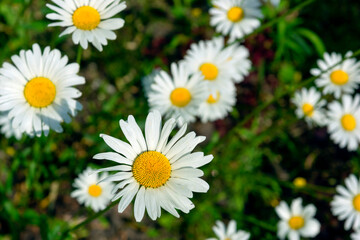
[157,172]
[229,233]
[88,21]
[297,221]
[310,106]
[90,192]
[38,90]
[346,204]
[344,122]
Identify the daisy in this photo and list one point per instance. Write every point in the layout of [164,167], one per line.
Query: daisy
[310,106]
[156,172]
[6,127]
[344,122]
[236,18]
[230,233]
[343,78]
[90,192]
[297,221]
[38,91]
[217,106]
[178,96]
[239,56]
[346,205]
[356,235]
[87,20]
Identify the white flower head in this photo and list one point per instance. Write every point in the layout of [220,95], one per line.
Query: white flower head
[89,21]
[229,233]
[346,204]
[156,172]
[297,221]
[341,79]
[235,17]
[344,122]
[38,92]
[310,106]
[177,96]
[6,127]
[90,191]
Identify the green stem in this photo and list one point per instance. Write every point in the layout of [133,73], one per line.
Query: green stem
[79,55]
[259,223]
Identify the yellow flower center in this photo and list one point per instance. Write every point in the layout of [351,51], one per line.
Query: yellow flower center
[86,18]
[40,92]
[348,122]
[339,77]
[300,182]
[308,109]
[95,190]
[296,222]
[212,100]
[209,70]
[235,14]
[151,169]
[180,97]
[356,202]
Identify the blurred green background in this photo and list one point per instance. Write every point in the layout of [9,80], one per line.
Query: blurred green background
[254,165]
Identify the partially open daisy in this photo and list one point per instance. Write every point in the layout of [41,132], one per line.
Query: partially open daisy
[343,78]
[6,126]
[346,204]
[344,122]
[178,96]
[235,17]
[310,106]
[355,235]
[217,105]
[229,233]
[87,20]
[90,192]
[160,173]
[38,91]
[297,221]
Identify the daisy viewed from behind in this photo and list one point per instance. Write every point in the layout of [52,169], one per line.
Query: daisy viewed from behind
[157,172]
[38,92]
[297,221]
[341,79]
[90,192]
[344,122]
[346,204]
[87,20]
[235,17]
[229,233]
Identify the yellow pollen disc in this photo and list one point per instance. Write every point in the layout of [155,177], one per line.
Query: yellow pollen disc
[348,122]
[308,109]
[235,14]
[151,169]
[209,70]
[212,100]
[95,190]
[296,222]
[86,18]
[339,77]
[40,92]
[300,182]
[356,202]
[180,97]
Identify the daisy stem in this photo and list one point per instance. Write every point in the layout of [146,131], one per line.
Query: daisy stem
[259,223]
[79,55]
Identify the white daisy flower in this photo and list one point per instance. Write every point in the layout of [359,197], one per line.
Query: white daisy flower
[230,233]
[236,18]
[344,122]
[310,106]
[157,172]
[6,127]
[215,63]
[218,106]
[346,205]
[239,56]
[343,78]
[90,192]
[297,221]
[355,235]
[178,96]
[89,21]
[38,91]
[148,80]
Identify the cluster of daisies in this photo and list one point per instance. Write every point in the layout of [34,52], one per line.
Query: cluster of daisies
[337,106]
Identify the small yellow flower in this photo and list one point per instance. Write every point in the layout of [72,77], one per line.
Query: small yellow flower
[196,12]
[299,182]
[10,151]
[274,202]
